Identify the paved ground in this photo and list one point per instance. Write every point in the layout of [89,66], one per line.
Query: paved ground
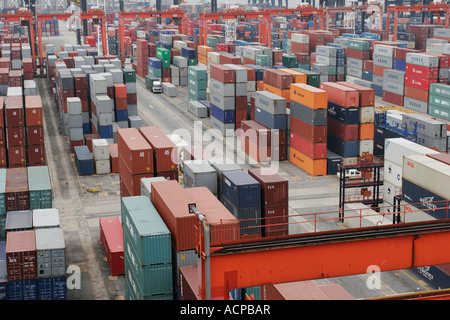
[80,210]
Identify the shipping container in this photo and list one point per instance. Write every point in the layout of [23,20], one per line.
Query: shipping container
[199,173]
[309,96]
[39,186]
[341,95]
[21,255]
[16,191]
[164,150]
[136,152]
[84,160]
[45,218]
[240,189]
[111,239]
[274,187]
[50,252]
[315,167]
[19,221]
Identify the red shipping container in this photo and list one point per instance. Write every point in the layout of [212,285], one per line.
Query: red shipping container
[393,98]
[357,54]
[240,103]
[278,79]
[2,111]
[346,132]
[80,81]
[171,201]
[315,134]
[421,71]
[17,157]
[165,151]
[16,190]
[418,82]
[274,187]
[3,158]
[131,98]
[223,225]
[222,73]
[378,70]
[15,136]
[36,154]
[111,239]
[136,152]
[33,111]
[15,78]
[114,156]
[251,73]
[120,90]
[276,221]
[366,95]
[259,153]
[21,255]
[341,95]
[416,93]
[307,147]
[75,143]
[35,135]
[124,192]
[256,132]
[227,58]
[132,180]
[14,113]
[88,140]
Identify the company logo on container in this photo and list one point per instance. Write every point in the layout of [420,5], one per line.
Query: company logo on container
[410,164]
[427,202]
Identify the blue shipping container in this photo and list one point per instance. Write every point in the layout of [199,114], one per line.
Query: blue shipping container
[399,64]
[241,189]
[84,160]
[154,63]
[22,290]
[122,115]
[345,115]
[224,116]
[189,53]
[343,148]
[52,288]
[271,121]
[105,132]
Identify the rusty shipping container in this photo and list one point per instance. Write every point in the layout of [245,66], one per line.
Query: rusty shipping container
[164,150]
[366,95]
[16,190]
[136,152]
[21,255]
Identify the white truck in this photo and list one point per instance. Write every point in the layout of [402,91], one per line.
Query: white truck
[157,87]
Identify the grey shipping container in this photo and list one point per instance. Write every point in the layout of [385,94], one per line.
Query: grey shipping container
[315,117]
[199,173]
[50,252]
[271,103]
[19,220]
[198,109]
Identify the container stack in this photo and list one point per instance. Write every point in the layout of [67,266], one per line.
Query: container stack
[164,56]
[274,201]
[82,92]
[327,56]
[439,101]
[39,187]
[154,67]
[421,70]
[121,104]
[102,107]
[431,133]
[357,51]
[181,63]
[15,131]
[129,79]
[2,204]
[147,251]
[135,160]
[74,122]
[308,128]
[111,239]
[16,190]
[202,55]
[223,98]
[271,112]
[394,86]
[165,155]
[278,82]
[241,195]
[34,130]
[395,150]
[84,161]
[344,131]
[100,151]
[51,264]
[197,83]
[142,54]
[366,111]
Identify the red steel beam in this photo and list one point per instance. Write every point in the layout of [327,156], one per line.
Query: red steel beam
[317,260]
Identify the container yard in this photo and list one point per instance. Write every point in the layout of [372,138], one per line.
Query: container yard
[256,151]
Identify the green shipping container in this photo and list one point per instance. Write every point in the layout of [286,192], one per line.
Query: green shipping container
[440,89]
[40,188]
[149,79]
[439,101]
[162,54]
[197,84]
[192,62]
[197,73]
[2,227]
[290,60]
[262,60]
[129,75]
[361,45]
[2,191]
[134,292]
[156,73]
[165,64]
[147,233]
[439,112]
[312,78]
[195,95]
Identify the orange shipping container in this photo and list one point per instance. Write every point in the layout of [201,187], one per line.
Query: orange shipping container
[260,85]
[298,76]
[366,131]
[202,59]
[309,96]
[316,167]
[203,50]
[285,93]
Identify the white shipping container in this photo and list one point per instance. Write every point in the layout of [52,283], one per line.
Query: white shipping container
[422,60]
[100,149]
[383,50]
[213,58]
[366,114]
[365,146]
[390,191]
[396,148]
[392,173]
[102,166]
[299,38]
[45,218]
[428,173]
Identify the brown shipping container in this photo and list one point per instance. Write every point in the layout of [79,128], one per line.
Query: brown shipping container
[416,93]
[132,180]
[14,114]
[256,132]
[274,187]
[3,158]
[172,203]
[164,150]
[15,136]
[33,111]
[222,73]
[341,95]
[136,152]
[168,175]
[314,133]
[2,110]
[36,154]
[366,95]
[278,79]
[223,225]
[346,132]
[16,190]
[393,98]
[114,156]
[35,135]
[17,156]
[21,255]
[276,222]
